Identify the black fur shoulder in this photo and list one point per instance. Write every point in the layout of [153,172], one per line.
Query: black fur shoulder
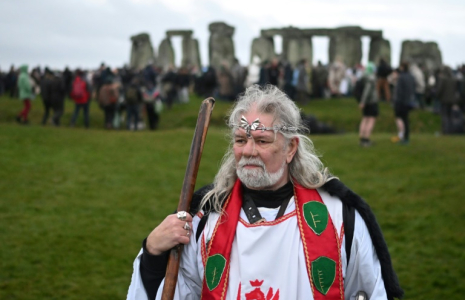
[197,198]
[391,282]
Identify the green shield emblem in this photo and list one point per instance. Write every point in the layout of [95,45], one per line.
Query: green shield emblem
[323,273]
[316,216]
[214,270]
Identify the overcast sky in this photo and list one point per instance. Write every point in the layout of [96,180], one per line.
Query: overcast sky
[84,33]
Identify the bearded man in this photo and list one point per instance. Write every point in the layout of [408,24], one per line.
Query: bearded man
[273,225]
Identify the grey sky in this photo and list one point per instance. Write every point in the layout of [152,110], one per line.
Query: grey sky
[83,33]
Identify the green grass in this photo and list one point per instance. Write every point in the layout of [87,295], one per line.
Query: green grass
[76,204]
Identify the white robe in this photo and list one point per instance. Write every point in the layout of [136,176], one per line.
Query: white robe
[267,252]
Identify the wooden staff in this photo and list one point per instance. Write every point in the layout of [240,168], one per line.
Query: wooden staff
[187,191]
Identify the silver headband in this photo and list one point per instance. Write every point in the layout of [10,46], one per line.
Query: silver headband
[255,125]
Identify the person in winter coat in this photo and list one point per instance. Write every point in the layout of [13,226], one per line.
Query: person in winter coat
[107,98]
[25,94]
[53,96]
[369,105]
[404,95]
[300,81]
[151,97]
[133,99]
[183,83]
[80,93]
[447,95]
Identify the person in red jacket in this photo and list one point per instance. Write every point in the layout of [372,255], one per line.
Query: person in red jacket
[80,93]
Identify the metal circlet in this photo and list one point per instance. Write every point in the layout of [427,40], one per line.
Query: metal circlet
[255,126]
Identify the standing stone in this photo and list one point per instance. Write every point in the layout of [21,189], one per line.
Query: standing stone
[296,45]
[346,43]
[221,45]
[190,48]
[379,48]
[166,54]
[427,54]
[142,52]
[263,48]
[298,49]
[190,53]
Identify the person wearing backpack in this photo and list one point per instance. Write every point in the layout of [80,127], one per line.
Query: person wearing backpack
[133,99]
[369,105]
[107,98]
[80,93]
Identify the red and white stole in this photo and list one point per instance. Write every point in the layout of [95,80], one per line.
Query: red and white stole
[319,239]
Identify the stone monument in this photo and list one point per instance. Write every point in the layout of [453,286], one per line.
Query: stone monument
[221,45]
[190,50]
[379,48]
[166,54]
[345,42]
[263,48]
[424,53]
[296,44]
[142,52]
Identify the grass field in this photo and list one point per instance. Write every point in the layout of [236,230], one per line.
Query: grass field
[76,204]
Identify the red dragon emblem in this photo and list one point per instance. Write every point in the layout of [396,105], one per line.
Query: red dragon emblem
[257,293]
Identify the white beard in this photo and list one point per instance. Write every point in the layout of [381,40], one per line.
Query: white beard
[258,177]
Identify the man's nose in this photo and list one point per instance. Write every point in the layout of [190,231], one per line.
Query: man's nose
[249,148]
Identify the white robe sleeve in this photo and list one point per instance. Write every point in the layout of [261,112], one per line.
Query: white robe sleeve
[363,272]
[136,289]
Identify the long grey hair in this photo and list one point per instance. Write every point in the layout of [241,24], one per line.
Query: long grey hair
[305,168]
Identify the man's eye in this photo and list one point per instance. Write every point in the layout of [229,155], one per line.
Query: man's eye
[240,141]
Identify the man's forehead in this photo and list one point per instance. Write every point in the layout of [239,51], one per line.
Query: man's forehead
[265,119]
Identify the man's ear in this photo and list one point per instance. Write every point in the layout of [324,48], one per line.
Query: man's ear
[293,145]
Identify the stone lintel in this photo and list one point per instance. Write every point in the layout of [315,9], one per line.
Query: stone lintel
[140,36]
[183,33]
[309,32]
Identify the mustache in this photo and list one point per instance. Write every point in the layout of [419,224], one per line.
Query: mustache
[251,161]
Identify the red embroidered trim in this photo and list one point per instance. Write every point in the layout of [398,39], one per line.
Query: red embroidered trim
[341,236]
[216,226]
[338,241]
[203,249]
[268,223]
[221,244]
[304,242]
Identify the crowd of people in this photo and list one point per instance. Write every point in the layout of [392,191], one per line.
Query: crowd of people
[409,87]
[133,98]
[126,96]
